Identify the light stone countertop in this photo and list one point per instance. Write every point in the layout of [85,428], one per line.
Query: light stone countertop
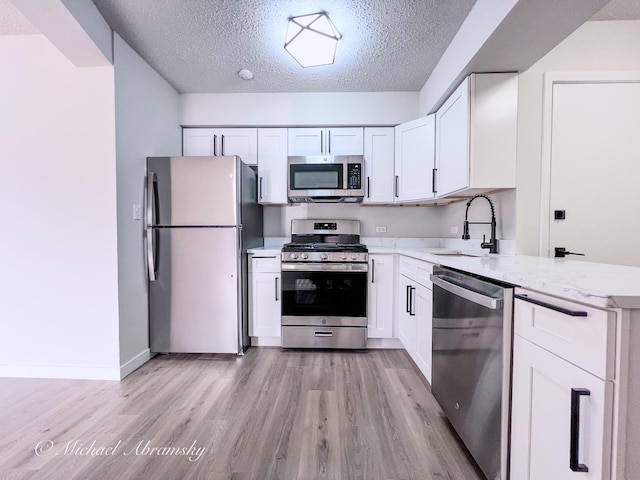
[596,284]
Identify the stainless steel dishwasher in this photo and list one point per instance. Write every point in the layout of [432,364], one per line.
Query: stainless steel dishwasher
[472,338]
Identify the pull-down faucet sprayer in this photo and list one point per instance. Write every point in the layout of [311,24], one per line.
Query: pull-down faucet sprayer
[492,245]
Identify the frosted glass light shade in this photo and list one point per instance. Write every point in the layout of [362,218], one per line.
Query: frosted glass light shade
[312,40]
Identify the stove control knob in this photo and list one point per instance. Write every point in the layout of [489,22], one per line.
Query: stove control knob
[323,256]
[343,256]
[354,256]
[294,256]
[304,256]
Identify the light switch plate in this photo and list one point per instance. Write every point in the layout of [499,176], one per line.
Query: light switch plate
[381,229]
[137,211]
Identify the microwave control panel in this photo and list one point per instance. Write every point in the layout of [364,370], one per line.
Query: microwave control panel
[354,176]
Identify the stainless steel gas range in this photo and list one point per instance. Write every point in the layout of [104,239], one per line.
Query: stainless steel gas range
[324,286]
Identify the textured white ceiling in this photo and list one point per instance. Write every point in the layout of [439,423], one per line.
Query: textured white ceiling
[619,10]
[13,22]
[200,45]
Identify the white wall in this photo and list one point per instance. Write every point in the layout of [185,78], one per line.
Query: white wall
[505,206]
[147,111]
[595,46]
[58,247]
[298,109]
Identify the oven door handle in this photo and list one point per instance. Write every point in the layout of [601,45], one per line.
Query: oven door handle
[325,267]
[485,301]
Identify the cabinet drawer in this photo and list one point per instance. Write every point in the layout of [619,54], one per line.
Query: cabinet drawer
[586,341]
[417,270]
[324,337]
[269,263]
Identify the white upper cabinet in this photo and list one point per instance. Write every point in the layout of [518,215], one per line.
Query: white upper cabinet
[378,165]
[326,141]
[221,141]
[272,166]
[414,160]
[476,136]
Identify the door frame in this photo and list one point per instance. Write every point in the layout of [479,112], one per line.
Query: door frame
[551,79]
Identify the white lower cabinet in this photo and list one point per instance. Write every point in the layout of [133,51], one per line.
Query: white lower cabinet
[380,296]
[541,417]
[264,297]
[423,299]
[561,414]
[415,314]
[406,319]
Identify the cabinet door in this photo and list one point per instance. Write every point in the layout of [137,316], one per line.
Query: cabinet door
[272,166]
[378,164]
[414,160]
[306,141]
[406,315]
[344,141]
[199,142]
[265,305]
[240,141]
[380,296]
[541,415]
[424,324]
[452,142]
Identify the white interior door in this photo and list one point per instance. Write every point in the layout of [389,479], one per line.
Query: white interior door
[595,171]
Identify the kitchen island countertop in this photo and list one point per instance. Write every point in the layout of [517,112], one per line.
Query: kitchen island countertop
[597,284]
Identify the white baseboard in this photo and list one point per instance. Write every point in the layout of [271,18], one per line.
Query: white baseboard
[136,362]
[266,341]
[69,372]
[371,342]
[384,343]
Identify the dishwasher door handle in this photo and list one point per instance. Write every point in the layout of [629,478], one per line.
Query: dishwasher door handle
[485,301]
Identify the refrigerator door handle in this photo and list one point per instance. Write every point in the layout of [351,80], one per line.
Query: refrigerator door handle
[152,214]
[151,187]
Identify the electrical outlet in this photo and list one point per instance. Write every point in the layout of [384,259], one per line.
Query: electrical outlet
[381,229]
[454,229]
[137,211]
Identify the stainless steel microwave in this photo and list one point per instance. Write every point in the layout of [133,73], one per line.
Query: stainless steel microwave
[325,178]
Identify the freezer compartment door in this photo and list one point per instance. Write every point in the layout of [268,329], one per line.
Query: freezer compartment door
[194,303]
[194,191]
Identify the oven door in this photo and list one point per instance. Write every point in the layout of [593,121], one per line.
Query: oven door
[324,294]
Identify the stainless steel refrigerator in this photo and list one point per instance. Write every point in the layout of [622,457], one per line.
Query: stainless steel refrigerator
[201,217]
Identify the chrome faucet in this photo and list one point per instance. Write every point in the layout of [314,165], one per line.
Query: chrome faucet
[492,245]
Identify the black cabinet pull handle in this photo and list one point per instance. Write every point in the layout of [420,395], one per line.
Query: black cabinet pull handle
[321,143]
[574,464]
[407,306]
[373,271]
[396,185]
[433,180]
[566,311]
[215,144]
[368,187]
[277,289]
[411,312]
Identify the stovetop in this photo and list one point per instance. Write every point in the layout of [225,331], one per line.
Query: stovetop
[324,247]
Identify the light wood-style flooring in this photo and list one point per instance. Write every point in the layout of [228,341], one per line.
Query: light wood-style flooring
[272,414]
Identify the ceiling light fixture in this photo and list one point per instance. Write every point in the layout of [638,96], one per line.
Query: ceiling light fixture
[312,40]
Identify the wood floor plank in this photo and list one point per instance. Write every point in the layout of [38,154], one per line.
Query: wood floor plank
[272,414]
